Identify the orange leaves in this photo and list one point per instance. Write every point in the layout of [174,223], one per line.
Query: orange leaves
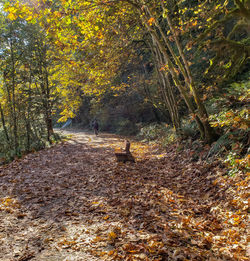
[66,243]
[237,119]
[229,114]
[159,206]
[112,236]
[164,68]
[154,246]
[233,227]
[131,248]
[194,23]
[100,35]
[151,21]
[97,239]
[9,204]
[112,253]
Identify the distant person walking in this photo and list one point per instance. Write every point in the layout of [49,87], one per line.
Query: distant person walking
[95,126]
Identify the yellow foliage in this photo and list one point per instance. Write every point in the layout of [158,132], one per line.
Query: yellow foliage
[112,236]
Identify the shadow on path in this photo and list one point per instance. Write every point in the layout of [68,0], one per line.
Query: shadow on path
[74,202]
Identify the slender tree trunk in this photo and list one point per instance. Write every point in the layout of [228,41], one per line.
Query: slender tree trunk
[4,125]
[176,81]
[167,90]
[49,113]
[160,40]
[45,90]
[28,124]
[13,100]
[209,131]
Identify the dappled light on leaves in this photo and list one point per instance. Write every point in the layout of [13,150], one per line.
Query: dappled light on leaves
[75,201]
[173,72]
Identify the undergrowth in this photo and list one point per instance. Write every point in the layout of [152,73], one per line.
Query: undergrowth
[162,134]
[229,116]
[8,154]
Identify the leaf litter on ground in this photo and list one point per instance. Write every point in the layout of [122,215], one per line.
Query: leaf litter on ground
[75,202]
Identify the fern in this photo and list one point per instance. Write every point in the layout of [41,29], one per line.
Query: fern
[223,142]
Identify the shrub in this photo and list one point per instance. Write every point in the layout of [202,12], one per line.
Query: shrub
[153,131]
[126,127]
[189,129]
[236,164]
[162,134]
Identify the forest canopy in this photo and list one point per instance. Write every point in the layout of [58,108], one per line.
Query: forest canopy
[128,62]
[164,84]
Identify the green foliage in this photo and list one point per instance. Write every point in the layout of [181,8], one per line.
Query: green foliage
[236,164]
[153,131]
[231,119]
[99,56]
[125,127]
[189,129]
[169,138]
[223,35]
[230,115]
[8,153]
[222,144]
[162,134]
[230,110]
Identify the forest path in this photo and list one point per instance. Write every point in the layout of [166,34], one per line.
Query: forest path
[89,137]
[75,202]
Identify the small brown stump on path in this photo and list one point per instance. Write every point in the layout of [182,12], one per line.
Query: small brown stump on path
[124,156]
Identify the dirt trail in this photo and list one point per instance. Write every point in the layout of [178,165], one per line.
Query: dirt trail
[89,138]
[75,202]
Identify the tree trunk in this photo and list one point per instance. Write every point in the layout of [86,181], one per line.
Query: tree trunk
[4,125]
[209,131]
[160,40]
[167,91]
[45,91]
[13,100]
[27,119]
